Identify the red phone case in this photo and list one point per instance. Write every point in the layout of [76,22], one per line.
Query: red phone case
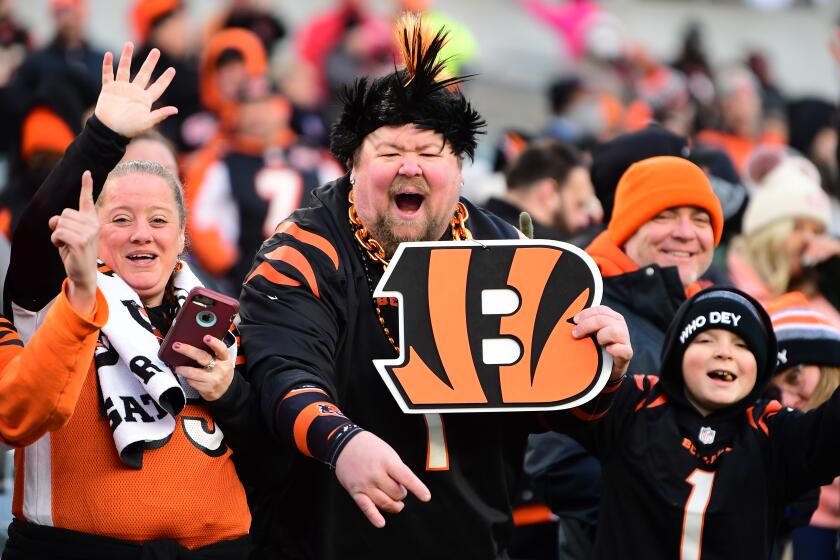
[204,312]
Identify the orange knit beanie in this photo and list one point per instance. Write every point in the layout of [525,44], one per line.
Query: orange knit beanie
[653,185]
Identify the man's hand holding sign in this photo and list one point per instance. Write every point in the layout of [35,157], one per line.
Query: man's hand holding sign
[495,326]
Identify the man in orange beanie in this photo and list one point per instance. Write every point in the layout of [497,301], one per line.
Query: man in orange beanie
[665,225]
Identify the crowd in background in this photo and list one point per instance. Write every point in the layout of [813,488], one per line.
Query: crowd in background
[251,142]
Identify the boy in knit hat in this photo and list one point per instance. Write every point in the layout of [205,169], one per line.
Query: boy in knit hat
[694,465]
[807,374]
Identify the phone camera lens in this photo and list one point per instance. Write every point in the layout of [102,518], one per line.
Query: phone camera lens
[205,318]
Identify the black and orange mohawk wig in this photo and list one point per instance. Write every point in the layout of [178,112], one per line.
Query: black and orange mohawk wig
[418,94]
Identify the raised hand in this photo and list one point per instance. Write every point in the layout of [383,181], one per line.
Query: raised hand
[376,478]
[125,106]
[610,331]
[76,235]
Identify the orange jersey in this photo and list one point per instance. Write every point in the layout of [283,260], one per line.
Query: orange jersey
[39,385]
[72,478]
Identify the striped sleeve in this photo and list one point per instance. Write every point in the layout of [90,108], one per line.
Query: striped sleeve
[40,384]
[312,423]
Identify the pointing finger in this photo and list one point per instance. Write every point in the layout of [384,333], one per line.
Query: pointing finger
[403,475]
[86,205]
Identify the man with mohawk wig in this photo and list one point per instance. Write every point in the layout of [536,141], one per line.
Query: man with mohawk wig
[311,328]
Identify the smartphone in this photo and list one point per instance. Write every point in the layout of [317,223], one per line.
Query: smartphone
[204,312]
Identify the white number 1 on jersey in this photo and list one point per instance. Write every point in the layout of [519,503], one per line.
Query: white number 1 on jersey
[695,512]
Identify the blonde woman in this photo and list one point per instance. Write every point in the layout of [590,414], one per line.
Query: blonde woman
[807,375]
[784,238]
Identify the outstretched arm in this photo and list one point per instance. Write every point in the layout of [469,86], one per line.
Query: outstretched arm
[123,110]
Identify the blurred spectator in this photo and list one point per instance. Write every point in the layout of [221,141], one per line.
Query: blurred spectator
[344,42]
[726,183]
[57,109]
[152,146]
[230,58]
[461,46]
[67,56]
[783,246]
[570,21]
[806,376]
[164,24]
[550,182]
[243,185]
[772,98]
[742,126]
[298,81]
[15,43]
[813,126]
[255,16]
[611,160]
[580,114]
[661,95]
[68,51]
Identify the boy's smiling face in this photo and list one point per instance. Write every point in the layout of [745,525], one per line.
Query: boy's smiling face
[718,370]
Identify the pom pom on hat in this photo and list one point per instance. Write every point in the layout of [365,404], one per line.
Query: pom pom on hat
[788,191]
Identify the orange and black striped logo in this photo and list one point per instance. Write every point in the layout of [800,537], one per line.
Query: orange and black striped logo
[486,326]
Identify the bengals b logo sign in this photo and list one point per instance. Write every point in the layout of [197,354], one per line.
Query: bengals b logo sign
[486,326]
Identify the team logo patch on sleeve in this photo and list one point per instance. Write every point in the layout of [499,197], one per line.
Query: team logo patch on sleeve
[486,326]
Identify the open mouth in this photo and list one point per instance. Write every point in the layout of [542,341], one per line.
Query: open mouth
[141,257]
[409,202]
[722,375]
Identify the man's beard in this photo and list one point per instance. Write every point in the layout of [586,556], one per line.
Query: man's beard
[427,230]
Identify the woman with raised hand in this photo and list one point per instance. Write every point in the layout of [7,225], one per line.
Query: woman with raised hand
[39,386]
[143,468]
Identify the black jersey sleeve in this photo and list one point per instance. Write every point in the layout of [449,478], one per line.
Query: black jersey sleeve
[290,321]
[35,268]
[804,446]
[598,423]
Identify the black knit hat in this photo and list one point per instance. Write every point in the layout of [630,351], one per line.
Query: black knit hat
[417,94]
[612,159]
[720,308]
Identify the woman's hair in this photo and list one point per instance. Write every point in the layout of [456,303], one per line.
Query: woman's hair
[829,381]
[157,170]
[763,251]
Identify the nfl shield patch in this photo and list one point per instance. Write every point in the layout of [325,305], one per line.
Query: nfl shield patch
[707,435]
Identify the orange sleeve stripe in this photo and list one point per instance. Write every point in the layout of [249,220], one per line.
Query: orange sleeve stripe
[660,400]
[294,392]
[295,258]
[640,381]
[309,238]
[303,422]
[585,416]
[267,271]
[532,514]
[750,418]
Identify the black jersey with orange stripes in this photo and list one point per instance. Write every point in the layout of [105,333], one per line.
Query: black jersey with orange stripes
[308,318]
[676,484]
